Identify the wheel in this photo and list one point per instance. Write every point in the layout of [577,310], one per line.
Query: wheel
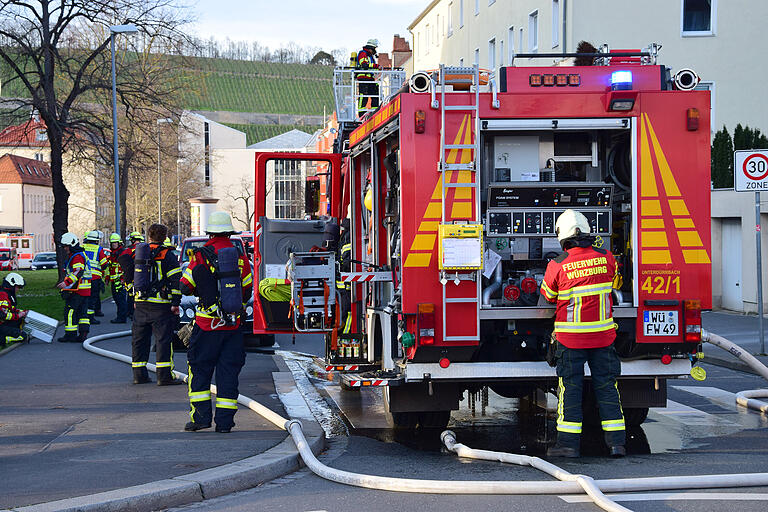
[635,416]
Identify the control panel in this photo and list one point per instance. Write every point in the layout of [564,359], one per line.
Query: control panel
[532,210]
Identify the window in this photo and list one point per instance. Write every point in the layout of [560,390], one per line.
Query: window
[461,13]
[492,54]
[450,19]
[477,56]
[698,17]
[709,86]
[427,40]
[477,7]
[533,31]
[511,39]
[555,23]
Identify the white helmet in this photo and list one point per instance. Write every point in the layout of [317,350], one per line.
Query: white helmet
[69,239]
[372,42]
[220,222]
[14,279]
[92,236]
[569,224]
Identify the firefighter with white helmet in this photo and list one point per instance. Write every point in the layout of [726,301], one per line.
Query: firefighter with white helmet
[75,289]
[220,276]
[11,317]
[368,89]
[581,281]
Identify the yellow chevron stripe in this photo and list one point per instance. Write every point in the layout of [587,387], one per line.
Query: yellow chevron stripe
[647,178]
[652,223]
[696,256]
[651,207]
[454,153]
[677,207]
[689,239]
[654,257]
[653,239]
[684,223]
[670,186]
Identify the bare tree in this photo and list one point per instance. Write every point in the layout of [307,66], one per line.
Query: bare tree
[40,44]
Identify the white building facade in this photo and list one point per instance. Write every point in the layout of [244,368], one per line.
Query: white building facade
[718,39]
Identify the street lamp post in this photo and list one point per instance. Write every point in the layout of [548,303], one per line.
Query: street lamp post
[164,120]
[116,29]
[179,161]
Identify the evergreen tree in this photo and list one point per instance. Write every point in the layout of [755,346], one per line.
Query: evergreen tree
[722,159]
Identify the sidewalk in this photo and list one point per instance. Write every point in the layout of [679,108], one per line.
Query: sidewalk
[740,329]
[73,424]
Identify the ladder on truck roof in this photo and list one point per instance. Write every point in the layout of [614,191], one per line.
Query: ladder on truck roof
[463,177]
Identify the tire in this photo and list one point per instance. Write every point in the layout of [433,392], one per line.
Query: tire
[635,416]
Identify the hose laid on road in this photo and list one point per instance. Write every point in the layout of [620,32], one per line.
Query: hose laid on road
[568,483]
[744,398]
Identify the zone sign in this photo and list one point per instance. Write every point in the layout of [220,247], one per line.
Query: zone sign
[750,169]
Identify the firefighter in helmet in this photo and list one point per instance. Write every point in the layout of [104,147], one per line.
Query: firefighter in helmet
[11,317]
[125,260]
[97,259]
[367,87]
[220,276]
[76,290]
[115,274]
[156,295]
[581,281]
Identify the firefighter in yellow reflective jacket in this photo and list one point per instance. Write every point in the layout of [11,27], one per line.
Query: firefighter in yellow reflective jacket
[76,290]
[97,259]
[116,279]
[155,278]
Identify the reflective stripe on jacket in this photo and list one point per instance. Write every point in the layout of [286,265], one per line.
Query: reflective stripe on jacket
[580,281]
[97,258]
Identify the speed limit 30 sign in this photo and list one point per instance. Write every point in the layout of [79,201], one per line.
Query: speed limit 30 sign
[750,170]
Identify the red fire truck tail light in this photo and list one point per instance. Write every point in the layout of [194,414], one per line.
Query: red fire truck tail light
[444,362]
[426,324]
[534,80]
[419,121]
[666,359]
[692,119]
[692,320]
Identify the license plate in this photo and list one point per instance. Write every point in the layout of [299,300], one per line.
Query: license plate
[660,323]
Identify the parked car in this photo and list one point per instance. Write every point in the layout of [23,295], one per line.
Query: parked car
[43,260]
[9,260]
[187,308]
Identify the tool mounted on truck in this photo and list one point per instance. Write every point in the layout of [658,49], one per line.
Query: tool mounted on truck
[452,188]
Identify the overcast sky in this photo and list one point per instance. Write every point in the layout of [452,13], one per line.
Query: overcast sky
[328,24]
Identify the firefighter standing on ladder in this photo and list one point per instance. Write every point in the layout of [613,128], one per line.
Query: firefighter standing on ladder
[581,281]
[367,87]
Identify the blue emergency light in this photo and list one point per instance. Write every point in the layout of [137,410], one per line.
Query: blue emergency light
[621,80]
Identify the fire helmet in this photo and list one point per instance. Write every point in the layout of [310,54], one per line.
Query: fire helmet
[571,224]
[69,239]
[373,43]
[14,279]
[115,237]
[220,223]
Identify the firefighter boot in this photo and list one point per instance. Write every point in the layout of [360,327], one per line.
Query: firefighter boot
[141,376]
[618,451]
[563,451]
[191,426]
[165,378]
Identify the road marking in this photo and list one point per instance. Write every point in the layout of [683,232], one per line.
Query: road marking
[691,416]
[727,400]
[672,496]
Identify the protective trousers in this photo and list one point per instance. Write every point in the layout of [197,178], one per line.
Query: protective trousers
[605,367]
[222,351]
[76,316]
[118,293]
[368,96]
[11,333]
[148,320]
[94,302]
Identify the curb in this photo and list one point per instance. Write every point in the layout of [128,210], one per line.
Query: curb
[182,490]
[202,485]
[5,351]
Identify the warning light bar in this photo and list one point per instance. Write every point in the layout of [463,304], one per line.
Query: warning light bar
[537,80]
[621,80]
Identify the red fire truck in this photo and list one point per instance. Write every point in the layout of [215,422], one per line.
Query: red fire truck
[451,190]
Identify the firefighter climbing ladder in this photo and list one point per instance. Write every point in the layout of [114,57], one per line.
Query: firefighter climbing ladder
[467,141]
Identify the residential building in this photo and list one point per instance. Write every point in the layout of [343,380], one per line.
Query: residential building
[26,199]
[717,39]
[82,178]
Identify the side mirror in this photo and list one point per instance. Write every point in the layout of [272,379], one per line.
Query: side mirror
[311,196]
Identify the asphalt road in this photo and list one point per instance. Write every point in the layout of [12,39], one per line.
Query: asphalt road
[701,431]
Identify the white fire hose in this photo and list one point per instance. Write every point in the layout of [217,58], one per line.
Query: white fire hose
[567,483]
